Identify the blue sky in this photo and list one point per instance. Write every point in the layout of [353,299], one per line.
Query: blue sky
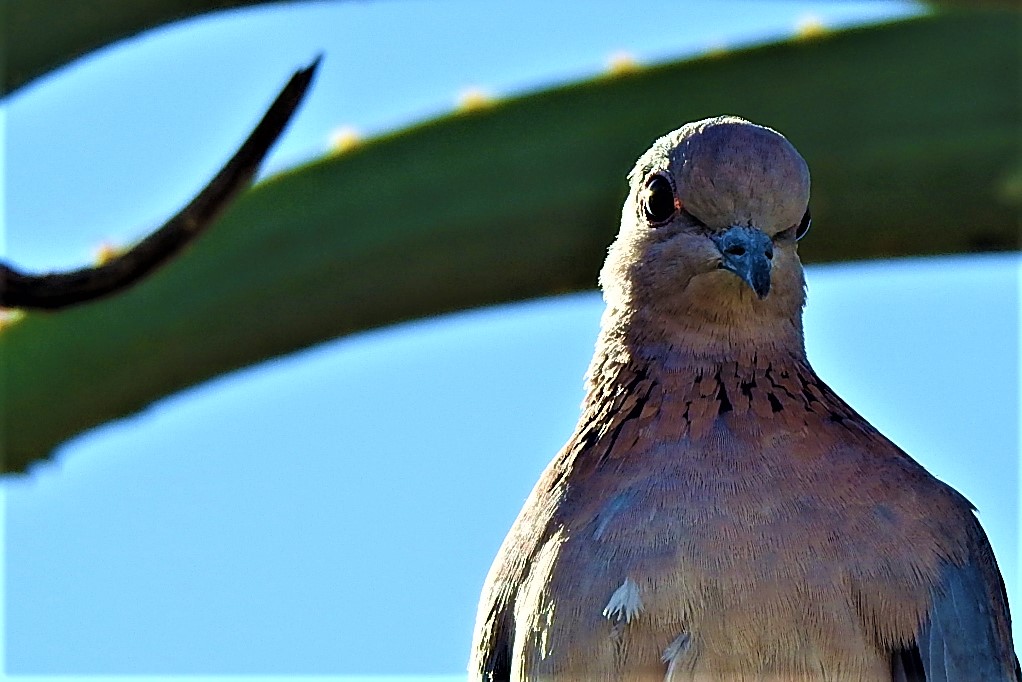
[335,512]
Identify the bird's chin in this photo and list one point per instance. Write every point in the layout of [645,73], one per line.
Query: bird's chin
[714,296]
[724,285]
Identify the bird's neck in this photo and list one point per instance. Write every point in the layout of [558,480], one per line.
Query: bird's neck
[680,345]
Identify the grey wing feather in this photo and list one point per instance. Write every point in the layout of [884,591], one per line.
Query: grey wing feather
[491,654]
[907,665]
[968,632]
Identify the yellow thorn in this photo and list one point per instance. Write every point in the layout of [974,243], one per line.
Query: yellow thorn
[105,253]
[809,27]
[8,316]
[621,63]
[716,50]
[473,99]
[344,139]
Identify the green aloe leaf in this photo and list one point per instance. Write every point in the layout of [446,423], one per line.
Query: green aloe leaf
[914,149]
[52,33]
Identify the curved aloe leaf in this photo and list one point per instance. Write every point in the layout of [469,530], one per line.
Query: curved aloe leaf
[52,33]
[914,150]
[59,290]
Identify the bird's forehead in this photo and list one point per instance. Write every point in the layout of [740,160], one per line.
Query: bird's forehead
[730,171]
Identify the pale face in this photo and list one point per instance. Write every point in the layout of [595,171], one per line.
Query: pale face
[710,226]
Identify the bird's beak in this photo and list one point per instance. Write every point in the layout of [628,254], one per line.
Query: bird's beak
[747,252]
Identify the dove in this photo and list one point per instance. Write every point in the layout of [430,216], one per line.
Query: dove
[719,513]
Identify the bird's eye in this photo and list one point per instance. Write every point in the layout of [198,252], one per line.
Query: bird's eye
[803,225]
[658,200]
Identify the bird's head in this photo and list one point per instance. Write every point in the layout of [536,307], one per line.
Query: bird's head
[709,230]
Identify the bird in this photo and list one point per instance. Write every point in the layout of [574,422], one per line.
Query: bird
[719,512]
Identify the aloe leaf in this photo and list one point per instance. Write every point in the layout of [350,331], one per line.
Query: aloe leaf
[914,149]
[52,33]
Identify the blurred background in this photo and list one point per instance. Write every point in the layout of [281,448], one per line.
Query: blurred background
[334,512]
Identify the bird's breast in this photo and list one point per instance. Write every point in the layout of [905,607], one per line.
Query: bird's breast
[779,547]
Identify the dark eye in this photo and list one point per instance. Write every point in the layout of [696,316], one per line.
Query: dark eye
[658,200]
[803,225]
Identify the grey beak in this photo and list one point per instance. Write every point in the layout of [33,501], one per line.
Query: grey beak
[747,252]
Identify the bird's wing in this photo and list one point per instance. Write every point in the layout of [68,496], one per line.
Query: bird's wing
[494,639]
[491,651]
[967,635]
